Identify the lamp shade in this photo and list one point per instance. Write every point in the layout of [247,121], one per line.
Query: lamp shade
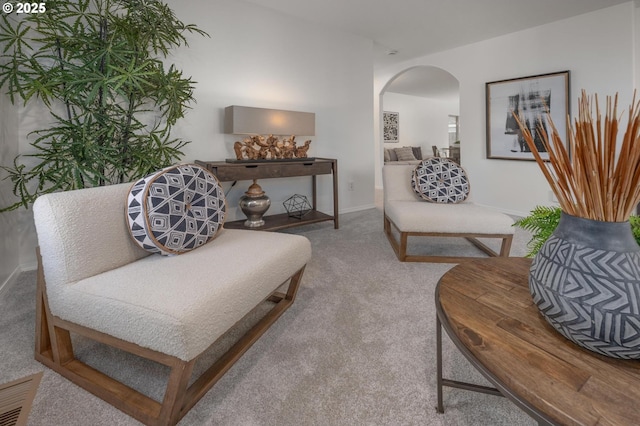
[242,120]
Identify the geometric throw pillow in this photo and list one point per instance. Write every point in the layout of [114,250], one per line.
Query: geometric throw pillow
[405,154]
[176,209]
[417,152]
[440,180]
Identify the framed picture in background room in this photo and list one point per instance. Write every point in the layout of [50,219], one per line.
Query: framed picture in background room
[391,126]
[531,97]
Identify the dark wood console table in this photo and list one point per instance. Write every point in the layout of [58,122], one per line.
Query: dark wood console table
[487,311]
[227,172]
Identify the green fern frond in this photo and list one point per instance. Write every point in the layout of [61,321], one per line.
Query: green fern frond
[635,227]
[543,220]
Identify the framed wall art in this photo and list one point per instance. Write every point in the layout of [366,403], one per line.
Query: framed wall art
[530,97]
[391,126]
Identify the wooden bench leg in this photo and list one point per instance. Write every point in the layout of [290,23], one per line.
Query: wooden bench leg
[485,248]
[400,245]
[392,240]
[52,343]
[404,237]
[176,390]
[505,249]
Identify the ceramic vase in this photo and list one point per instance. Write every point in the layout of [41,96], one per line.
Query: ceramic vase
[586,282]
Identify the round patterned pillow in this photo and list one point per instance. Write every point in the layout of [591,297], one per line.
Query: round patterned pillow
[440,180]
[176,209]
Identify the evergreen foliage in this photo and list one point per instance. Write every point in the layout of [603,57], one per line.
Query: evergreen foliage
[99,67]
[543,220]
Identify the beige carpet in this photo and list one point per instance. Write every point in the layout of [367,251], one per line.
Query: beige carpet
[356,348]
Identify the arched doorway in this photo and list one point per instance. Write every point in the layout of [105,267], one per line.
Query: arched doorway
[425,101]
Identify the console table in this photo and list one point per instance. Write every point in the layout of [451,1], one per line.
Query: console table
[226,172]
[487,311]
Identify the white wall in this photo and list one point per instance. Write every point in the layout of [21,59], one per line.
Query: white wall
[260,58]
[423,122]
[598,49]
[256,57]
[9,225]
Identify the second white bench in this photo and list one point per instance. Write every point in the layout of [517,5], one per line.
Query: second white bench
[406,215]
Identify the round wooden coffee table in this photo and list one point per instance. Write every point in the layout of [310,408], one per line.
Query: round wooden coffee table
[487,311]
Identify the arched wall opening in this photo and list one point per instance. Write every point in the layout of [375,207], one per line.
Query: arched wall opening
[424,100]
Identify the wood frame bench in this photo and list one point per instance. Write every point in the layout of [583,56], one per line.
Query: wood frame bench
[73,269]
[407,215]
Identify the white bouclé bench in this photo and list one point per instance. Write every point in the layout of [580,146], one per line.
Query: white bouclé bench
[407,215]
[96,282]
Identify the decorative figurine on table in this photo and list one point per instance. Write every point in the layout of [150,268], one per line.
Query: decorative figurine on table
[270,148]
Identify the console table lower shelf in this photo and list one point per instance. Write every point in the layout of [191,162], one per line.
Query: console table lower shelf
[274,169]
[282,221]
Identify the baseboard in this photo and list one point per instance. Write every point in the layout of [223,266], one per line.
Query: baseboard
[9,282]
[358,208]
[32,266]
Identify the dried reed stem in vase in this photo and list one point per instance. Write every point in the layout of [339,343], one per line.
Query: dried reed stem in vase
[590,179]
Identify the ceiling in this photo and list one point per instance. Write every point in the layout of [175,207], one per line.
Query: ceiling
[426,82]
[414,28]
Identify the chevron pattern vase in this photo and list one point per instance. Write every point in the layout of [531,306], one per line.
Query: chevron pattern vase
[586,282]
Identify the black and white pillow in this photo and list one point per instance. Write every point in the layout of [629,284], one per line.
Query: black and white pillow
[440,180]
[176,209]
